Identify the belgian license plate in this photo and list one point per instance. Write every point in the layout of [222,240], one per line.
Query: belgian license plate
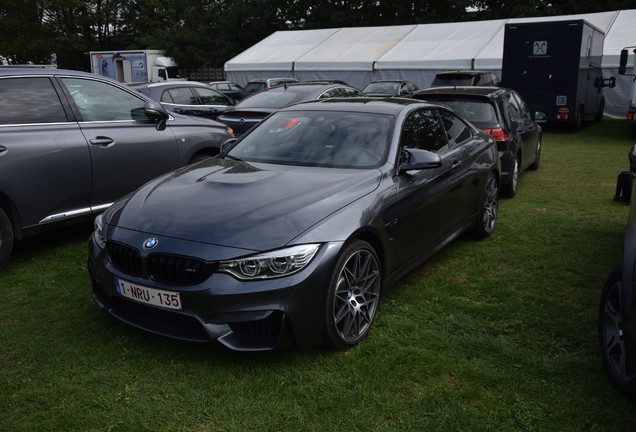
[151,296]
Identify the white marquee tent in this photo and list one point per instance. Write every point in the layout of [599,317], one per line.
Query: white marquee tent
[359,55]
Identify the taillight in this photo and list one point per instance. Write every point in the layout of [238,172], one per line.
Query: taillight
[498,134]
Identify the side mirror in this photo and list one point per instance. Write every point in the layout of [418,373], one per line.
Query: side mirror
[418,159]
[156,112]
[540,117]
[623,62]
[228,144]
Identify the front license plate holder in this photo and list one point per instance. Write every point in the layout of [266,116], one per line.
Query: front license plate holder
[150,296]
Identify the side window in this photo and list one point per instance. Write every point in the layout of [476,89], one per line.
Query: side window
[181,96]
[457,130]
[234,87]
[514,113]
[100,101]
[423,129]
[331,93]
[210,97]
[29,100]
[523,108]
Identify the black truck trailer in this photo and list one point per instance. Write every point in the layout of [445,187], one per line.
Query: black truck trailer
[556,67]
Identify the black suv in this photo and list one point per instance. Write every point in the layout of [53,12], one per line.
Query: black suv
[71,143]
[504,115]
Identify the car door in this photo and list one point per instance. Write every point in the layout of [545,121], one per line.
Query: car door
[467,149]
[428,199]
[523,126]
[213,103]
[182,100]
[126,149]
[45,165]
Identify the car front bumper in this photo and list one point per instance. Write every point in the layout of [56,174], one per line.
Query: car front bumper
[241,315]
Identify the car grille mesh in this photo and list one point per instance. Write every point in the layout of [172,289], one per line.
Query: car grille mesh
[170,269]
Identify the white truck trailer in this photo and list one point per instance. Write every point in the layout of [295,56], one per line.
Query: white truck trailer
[134,66]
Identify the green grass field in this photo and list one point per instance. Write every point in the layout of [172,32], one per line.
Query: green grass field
[497,335]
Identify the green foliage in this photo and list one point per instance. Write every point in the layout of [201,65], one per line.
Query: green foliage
[492,335]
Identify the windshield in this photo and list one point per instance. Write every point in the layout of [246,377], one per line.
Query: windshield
[276,98]
[318,138]
[476,111]
[383,88]
[452,80]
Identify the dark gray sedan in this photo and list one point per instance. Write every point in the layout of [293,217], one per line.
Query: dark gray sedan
[293,233]
[72,143]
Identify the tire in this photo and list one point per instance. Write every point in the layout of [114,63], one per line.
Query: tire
[353,296]
[610,336]
[6,238]
[509,190]
[600,113]
[488,208]
[537,159]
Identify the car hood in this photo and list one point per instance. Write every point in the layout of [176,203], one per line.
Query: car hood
[236,204]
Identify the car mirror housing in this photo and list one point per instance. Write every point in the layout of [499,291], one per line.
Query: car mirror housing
[156,112]
[419,159]
[228,144]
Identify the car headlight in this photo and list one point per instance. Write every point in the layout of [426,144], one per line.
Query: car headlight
[98,232]
[278,263]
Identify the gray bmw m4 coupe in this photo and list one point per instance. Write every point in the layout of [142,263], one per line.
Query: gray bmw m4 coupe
[293,233]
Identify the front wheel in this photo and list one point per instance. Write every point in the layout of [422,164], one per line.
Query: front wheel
[488,208]
[353,296]
[610,335]
[6,238]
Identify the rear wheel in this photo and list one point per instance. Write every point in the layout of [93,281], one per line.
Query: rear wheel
[6,238]
[353,296]
[509,190]
[537,159]
[610,335]
[488,208]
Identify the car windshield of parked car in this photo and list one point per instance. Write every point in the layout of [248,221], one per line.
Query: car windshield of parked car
[276,98]
[383,88]
[318,138]
[477,111]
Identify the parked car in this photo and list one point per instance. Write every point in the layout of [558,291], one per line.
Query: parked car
[617,309]
[229,89]
[503,114]
[294,232]
[187,97]
[259,84]
[252,110]
[389,88]
[466,78]
[71,143]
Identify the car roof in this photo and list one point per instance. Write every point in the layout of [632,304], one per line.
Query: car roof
[389,105]
[464,72]
[19,71]
[464,90]
[174,84]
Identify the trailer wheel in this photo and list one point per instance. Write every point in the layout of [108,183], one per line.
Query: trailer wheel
[601,112]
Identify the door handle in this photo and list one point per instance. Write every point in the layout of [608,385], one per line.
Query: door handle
[102,141]
[3,149]
[456,164]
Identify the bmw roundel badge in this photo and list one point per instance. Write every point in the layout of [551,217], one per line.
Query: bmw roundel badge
[151,243]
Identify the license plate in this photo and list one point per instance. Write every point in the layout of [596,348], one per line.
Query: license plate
[146,295]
